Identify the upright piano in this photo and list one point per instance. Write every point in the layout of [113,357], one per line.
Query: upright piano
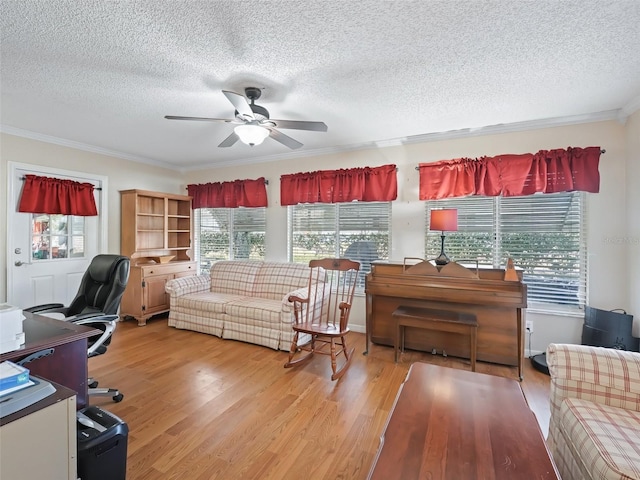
[496,302]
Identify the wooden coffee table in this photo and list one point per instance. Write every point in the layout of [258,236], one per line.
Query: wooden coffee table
[455,424]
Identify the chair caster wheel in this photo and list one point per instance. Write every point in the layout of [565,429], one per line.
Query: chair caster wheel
[93,384]
[118,398]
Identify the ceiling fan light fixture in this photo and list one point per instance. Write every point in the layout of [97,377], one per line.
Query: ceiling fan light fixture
[251,134]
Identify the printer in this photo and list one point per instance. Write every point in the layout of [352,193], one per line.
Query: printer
[11,332]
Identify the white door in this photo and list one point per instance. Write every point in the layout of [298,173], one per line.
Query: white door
[48,254]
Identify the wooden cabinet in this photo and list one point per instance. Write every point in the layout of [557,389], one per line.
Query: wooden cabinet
[156,233]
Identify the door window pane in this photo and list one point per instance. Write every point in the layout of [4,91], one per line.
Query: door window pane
[56,236]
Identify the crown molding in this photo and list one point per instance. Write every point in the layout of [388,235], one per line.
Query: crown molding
[429,137]
[632,107]
[283,156]
[618,115]
[515,127]
[18,132]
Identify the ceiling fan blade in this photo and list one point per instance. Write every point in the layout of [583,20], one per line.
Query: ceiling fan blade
[286,140]
[299,125]
[200,119]
[230,140]
[240,102]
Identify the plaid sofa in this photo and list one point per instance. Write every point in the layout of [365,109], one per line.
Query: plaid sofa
[594,429]
[245,300]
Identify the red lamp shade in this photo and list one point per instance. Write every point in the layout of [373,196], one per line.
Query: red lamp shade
[445,220]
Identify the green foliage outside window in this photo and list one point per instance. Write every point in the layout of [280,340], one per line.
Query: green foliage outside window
[227,233]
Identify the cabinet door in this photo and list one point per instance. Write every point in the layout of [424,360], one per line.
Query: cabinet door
[155,298]
[41,444]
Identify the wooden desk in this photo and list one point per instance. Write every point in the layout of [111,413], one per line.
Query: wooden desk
[497,304]
[68,363]
[450,424]
[439,320]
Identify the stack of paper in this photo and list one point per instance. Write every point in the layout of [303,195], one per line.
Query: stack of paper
[13,377]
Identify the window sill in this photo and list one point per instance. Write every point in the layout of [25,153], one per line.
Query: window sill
[556,310]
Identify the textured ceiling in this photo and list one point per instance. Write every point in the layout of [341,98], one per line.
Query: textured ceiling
[102,74]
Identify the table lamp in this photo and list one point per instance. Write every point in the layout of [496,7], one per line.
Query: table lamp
[445,219]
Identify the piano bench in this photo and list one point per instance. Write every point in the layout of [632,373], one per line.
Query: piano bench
[439,320]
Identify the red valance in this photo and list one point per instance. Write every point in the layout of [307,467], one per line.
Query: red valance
[57,196]
[548,171]
[378,184]
[239,193]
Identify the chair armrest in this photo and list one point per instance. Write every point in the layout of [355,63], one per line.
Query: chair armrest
[186,285]
[46,307]
[299,295]
[302,294]
[83,316]
[600,375]
[106,323]
[297,298]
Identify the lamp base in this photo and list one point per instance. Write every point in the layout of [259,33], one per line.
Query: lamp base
[442,259]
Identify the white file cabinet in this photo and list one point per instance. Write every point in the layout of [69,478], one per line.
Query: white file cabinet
[39,442]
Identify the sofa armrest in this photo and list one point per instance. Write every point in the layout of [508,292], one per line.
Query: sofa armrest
[600,375]
[293,300]
[186,285]
[299,297]
[299,294]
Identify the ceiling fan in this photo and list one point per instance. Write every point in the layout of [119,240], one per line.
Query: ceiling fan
[253,122]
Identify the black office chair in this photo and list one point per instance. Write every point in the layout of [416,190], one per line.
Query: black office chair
[96,305]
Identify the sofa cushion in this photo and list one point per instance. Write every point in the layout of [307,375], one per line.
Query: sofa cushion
[273,280]
[205,302]
[258,335]
[258,311]
[234,277]
[606,439]
[197,321]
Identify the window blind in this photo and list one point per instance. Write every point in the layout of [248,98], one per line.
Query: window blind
[229,233]
[544,234]
[357,230]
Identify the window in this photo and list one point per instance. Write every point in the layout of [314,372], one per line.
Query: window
[229,233]
[56,236]
[356,230]
[545,235]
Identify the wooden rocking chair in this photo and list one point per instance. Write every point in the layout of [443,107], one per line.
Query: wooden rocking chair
[324,314]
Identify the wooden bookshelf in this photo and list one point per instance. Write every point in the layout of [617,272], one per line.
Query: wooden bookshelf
[157,235]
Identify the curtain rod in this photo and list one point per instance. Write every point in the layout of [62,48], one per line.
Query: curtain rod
[94,187]
[266,182]
[602,151]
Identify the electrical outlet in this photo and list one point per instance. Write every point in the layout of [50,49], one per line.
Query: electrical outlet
[529,326]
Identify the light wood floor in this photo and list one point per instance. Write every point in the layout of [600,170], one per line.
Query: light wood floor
[199,407]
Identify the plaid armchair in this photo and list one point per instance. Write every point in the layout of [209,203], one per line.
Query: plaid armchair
[594,430]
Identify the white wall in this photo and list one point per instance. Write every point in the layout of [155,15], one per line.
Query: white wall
[607,216]
[122,175]
[614,273]
[632,240]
